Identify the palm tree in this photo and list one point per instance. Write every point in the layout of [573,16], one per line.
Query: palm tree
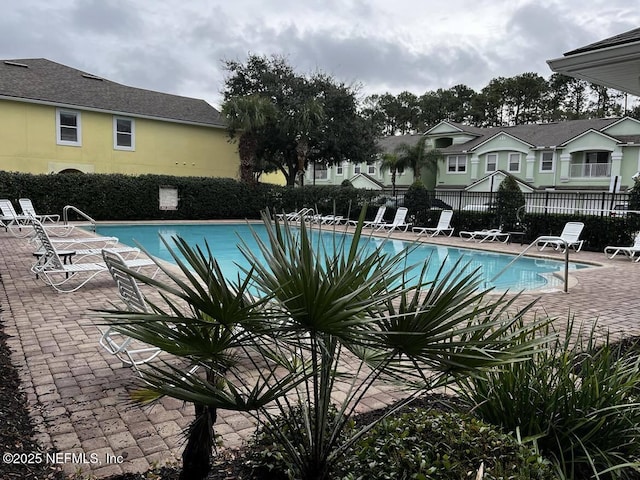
[205,320]
[394,163]
[418,156]
[247,115]
[306,309]
[301,123]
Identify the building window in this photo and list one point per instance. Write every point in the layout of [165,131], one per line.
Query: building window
[357,168]
[124,133]
[68,128]
[400,170]
[456,163]
[546,162]
[320,171]
[594,164]
[371,169]
[340,169]
[514,162]
[492,162]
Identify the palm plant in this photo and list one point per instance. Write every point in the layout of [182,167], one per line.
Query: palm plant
[394,163]
[209,322]
[418,156]
[577,399]
[302,313]
[248,115]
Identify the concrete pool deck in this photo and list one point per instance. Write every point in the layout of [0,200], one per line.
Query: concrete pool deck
[78,393]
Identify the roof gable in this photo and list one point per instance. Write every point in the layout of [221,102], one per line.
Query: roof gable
[624,126]
[447,127]
[498,142]
[492,181]
[42,81]
[362,180]
[590,135]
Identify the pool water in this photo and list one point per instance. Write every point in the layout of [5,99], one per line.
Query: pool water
[223,240]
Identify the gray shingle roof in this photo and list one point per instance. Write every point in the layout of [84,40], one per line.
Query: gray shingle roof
[391,143]
[41,80]
[621,39]
[539,134]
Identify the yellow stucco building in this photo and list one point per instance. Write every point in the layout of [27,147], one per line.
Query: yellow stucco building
[54,118]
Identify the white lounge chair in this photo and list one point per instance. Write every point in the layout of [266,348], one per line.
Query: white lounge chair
[10,219]
[128,350]
[376,222]
[19,225]
[295,216]
[488,235]
[69,277]
[398,221]
[328,219]
[443,228]
[632,252]
[27,209]
[570,238]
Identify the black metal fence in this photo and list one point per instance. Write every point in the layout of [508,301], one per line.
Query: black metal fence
[546,202]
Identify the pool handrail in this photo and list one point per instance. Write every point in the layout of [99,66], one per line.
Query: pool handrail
[65,215]
[544,238]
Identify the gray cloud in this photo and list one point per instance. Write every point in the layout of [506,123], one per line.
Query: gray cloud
[179,47]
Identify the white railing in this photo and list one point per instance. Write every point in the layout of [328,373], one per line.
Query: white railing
[589,170]
[65,215]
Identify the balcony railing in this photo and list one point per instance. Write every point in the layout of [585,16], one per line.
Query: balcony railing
[590,170]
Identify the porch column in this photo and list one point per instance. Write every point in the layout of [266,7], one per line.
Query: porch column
[531,160]
[565,164]
[616,162]
[475,161]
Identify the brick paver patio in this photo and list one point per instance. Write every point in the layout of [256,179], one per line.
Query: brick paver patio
[78,393]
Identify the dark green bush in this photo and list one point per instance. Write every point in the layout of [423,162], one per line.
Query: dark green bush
[508,200]
[431,444]
[427,444]
[416,199]
[126,197]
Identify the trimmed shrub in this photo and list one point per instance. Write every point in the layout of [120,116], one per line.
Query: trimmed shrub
[578,399]
[508,200]
[419,443]
[416,199]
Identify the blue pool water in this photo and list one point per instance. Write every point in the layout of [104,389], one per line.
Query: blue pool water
[525,274]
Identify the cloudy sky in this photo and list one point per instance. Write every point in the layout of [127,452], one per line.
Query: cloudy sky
[378,46]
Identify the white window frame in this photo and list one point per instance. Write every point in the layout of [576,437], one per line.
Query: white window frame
[542,163]
[340,169]
[115,134]
[514,154]
[400,171]
[320,171]
[59,126]
[357,168]
[371,169]
[487,162]
[460,166]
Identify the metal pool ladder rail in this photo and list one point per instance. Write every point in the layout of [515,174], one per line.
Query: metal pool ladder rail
[538,240]
[65,215]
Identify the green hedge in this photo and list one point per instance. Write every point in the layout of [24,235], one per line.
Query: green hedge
[599,231]
[124,197]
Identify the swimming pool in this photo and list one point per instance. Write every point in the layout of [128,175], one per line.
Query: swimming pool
[525,274]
